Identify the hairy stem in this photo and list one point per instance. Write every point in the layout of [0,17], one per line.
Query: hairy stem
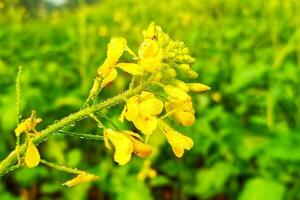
[51,129]
[82,135]
[62,168]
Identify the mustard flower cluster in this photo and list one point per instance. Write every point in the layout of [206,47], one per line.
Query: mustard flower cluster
[165,97]
[158,60]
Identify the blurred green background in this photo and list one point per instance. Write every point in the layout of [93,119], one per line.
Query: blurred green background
[247,133]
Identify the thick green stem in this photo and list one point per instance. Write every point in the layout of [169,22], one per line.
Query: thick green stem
[51,129]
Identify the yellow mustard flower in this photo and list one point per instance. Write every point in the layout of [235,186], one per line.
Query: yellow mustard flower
[32,155]
[115,49]
[125,144]
[178,142]
[81,178]
[150,56]
[142,111]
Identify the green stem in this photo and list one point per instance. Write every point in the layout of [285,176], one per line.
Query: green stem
[62,168]
[51,129]
[99,123]
[111,122]
[82,135]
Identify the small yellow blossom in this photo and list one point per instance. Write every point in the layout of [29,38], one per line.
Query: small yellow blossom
[32,155]
[142,111]
[81,178]
[28,125]
[181,110]
[216,96]
[126,143]
[178,142]
[107,71]
[150,56]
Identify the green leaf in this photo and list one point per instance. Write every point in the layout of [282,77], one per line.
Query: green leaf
[262,189]
[211,181]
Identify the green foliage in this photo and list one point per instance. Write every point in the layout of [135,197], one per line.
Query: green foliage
[262,189]
[247,129]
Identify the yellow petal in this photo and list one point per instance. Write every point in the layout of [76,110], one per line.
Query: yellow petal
[22,127]
[111,77]
[131,68]
[81,178]
[182,85]
[150,32]
[32,155]
[178,142]
[151,106]
[135,135]
[132,111]
[105,69]
[141,149]
[149,48]
[177,93]
[185,118]
[147,125]
[151,64]
[176,104]
[115,49]
[198,87]
[106,142]
[146,95]
[121,117]
[123,146]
